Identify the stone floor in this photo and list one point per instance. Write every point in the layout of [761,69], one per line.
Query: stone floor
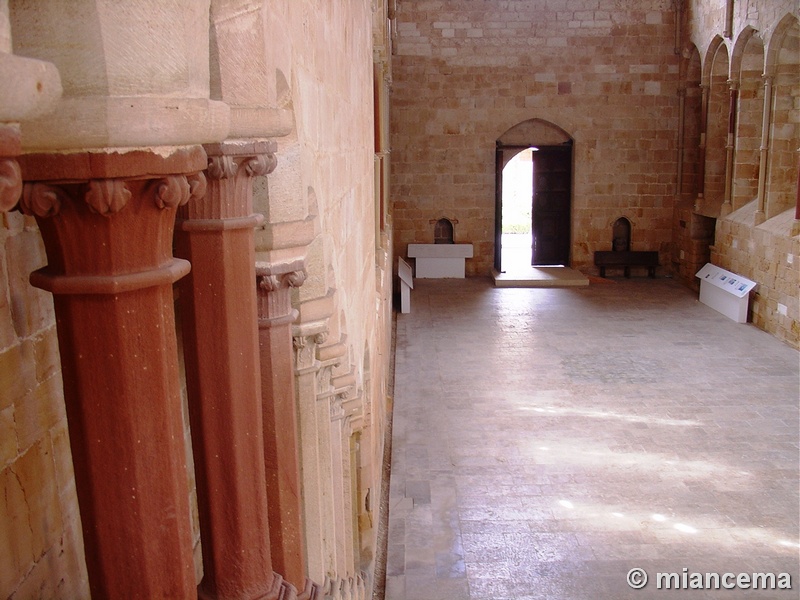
[548,441]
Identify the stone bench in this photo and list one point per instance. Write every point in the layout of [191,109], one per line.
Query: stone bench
[625,259]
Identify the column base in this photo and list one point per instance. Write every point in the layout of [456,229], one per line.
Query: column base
[312,591]
[280,590]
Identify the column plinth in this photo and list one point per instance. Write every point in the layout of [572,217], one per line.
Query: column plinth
[111,270]
[219,323]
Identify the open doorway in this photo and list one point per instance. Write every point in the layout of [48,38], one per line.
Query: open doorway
[533,205]
[516,236]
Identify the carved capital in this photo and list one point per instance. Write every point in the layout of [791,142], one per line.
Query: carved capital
[172,191]
[107,196]
[303,352]
[273,283]
[261,164]
[324,388]
[337,410]
[222,167]
[10,183]
[198,184]
[226,166]
[41,200]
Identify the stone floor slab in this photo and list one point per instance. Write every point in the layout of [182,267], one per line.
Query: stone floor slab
[548,441]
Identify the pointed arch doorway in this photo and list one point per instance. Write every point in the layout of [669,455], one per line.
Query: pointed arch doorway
[533,181]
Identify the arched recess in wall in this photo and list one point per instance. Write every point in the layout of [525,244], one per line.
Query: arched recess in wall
[747,67]
[551,189]
[717,114]
[783,56]
[692,122]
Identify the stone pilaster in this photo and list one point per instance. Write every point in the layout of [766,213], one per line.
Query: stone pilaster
[219,316]
[730,146]
[310,367]
[763,156]
[281,442]
[106,220]
[701,157]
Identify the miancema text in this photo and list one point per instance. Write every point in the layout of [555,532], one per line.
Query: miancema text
[714,581]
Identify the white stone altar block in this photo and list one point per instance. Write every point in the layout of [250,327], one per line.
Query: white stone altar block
[440,260]
[725,292]
[406,284]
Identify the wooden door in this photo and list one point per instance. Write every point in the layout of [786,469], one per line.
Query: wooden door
[551,210]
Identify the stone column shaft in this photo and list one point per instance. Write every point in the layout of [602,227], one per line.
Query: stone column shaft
[281,440]
[763,157]
[218,312]
[701,157]
[107,220]
[730,144]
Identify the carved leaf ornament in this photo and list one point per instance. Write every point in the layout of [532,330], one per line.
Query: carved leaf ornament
[10,183]
[103,196]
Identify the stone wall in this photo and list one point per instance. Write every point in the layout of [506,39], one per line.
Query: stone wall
[752,231]
[321,204]
[766,254]
[466,72]
[40,533]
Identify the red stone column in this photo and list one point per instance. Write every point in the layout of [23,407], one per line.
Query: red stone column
[281,449]
[218,313]
[107,221]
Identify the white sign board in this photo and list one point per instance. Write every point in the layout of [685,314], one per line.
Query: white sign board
[725,292]
[730,282]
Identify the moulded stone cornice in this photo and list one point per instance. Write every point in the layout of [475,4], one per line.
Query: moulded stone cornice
[281,268]
[286,241]
[31,88]
[260,122]
[131,163]
[344,384]
[353,406]
[317,309]
[84,123]
[331,354]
